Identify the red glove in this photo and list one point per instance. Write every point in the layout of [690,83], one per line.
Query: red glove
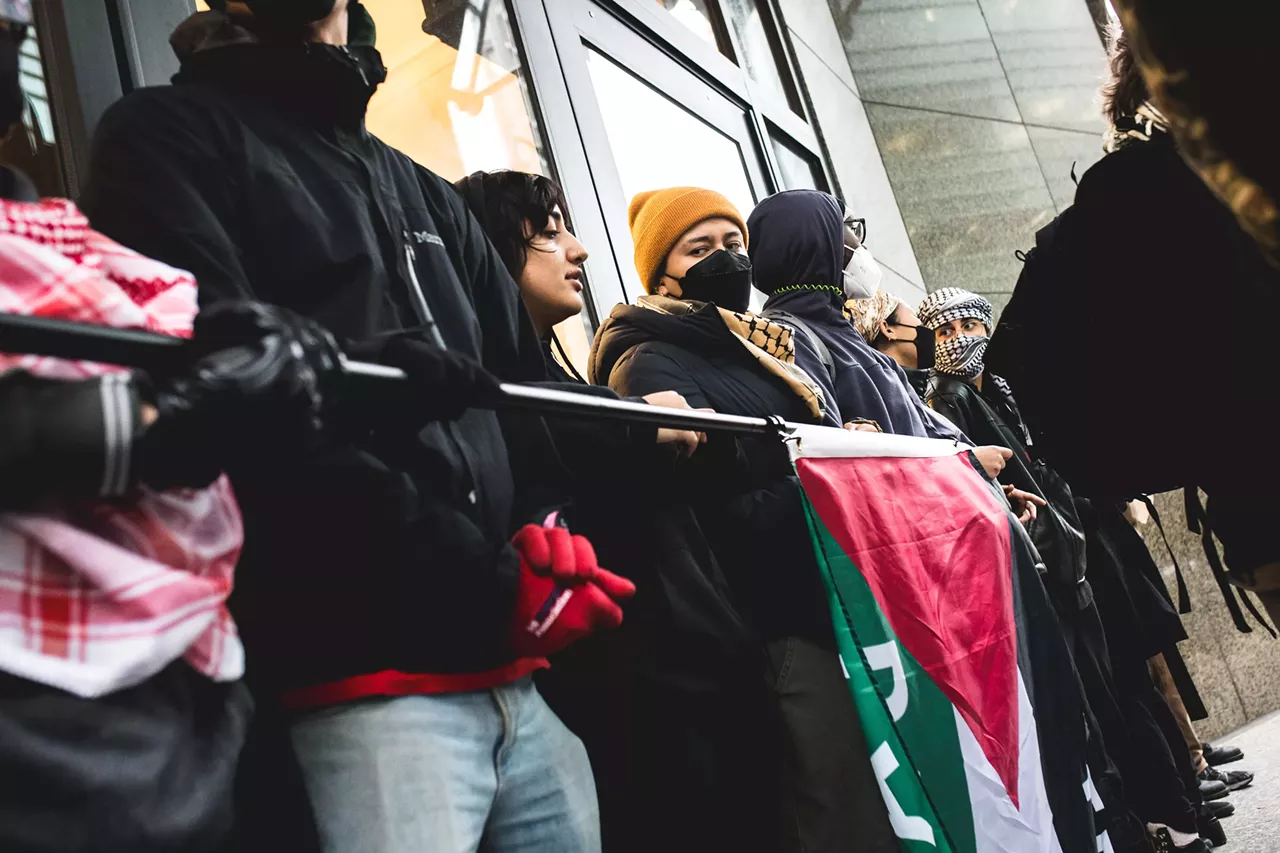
[563,595]
[555,552]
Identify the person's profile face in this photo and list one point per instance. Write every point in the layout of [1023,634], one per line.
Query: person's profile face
[551,279]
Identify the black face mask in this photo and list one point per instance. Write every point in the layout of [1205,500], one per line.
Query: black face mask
[723,277]
[924,348]
[12,99]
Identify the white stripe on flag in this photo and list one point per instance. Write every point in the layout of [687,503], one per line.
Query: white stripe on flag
[1002,826]
[828,442]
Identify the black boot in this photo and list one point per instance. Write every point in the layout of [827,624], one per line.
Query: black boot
[1211,829]
[1221,809]
[1216,755]
[1167,840]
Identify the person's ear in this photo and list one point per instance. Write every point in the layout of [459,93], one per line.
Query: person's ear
[884,331]
[662,290]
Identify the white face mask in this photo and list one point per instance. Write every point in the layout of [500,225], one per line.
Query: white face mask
[861,275]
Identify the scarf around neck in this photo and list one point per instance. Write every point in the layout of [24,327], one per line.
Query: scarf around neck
[770,343]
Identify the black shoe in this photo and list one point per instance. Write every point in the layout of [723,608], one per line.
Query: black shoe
[1211,789]
[1162,839]
[1220,809]
[1211,830]
[1216,755]
[1233,779]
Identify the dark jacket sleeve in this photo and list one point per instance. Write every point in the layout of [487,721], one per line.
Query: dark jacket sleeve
[726,464]
[65,439]
[156,185]
[592,448]
[956,410]
[938,425]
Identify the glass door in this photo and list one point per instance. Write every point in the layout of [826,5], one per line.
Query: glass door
[648,121]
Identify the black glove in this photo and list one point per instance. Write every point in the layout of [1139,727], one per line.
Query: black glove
[261,388]
[444,383]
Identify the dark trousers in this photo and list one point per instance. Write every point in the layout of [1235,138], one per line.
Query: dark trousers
[1084,633]
[1152,758]
[831,798]
[144,770]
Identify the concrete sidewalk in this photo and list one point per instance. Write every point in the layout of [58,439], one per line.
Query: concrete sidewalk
[1255,827]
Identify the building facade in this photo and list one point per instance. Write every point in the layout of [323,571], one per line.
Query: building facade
[952,126]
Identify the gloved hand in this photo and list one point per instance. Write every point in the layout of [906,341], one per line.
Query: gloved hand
[563,594]
[261,388]
[556,553]
[446,383]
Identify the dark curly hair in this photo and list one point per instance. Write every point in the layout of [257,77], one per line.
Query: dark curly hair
[1126,90]
[512,208]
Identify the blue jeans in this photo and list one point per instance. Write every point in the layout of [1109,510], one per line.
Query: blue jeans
[493,771]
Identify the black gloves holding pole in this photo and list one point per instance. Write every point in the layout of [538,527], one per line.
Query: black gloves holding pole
[263,384]
[259,384]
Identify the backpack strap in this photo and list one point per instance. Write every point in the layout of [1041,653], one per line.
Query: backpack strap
[1198,522]
[1184,598]
[811,336]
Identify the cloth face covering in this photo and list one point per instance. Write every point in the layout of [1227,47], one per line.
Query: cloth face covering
[926,348]
[961,356]
[722,278]
[861,275]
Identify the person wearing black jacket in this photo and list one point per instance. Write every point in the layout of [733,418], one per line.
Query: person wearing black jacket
[691,334]
[380,601]
[809,258]
[1120,247]
[1126,715]
[667,704]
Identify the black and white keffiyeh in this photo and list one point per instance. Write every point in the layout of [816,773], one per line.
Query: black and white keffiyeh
[961,356]
[954,303]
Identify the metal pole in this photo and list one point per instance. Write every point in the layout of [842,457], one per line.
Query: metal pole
[150,351]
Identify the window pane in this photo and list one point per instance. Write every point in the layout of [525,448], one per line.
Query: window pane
[32,147]
[656,143]
[761,58]
[454,98]
[696,15]
[799,172]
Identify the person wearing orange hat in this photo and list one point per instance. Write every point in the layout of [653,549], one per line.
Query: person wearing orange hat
[692,333]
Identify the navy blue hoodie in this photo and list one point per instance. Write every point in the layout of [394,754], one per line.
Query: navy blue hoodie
[797,253]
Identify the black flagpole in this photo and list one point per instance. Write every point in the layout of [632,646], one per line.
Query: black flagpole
[152,351]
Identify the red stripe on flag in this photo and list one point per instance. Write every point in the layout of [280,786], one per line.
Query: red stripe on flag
[933,544]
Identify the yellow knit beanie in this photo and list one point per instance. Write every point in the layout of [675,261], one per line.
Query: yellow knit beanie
[659,217]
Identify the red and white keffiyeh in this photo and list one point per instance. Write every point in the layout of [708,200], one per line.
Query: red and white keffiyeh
[101,594]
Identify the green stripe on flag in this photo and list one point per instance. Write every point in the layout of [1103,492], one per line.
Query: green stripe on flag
[909,723]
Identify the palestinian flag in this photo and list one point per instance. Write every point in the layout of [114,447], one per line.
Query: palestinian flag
[929,576]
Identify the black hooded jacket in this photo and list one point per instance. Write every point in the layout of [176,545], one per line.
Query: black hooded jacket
[254,170]
[1057,531]
[797,255]
[744,492]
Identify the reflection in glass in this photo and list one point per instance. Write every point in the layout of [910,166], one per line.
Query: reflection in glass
[31,146]
[760,58]
[656,143]
[798,172]
[455,99]
[696,15]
